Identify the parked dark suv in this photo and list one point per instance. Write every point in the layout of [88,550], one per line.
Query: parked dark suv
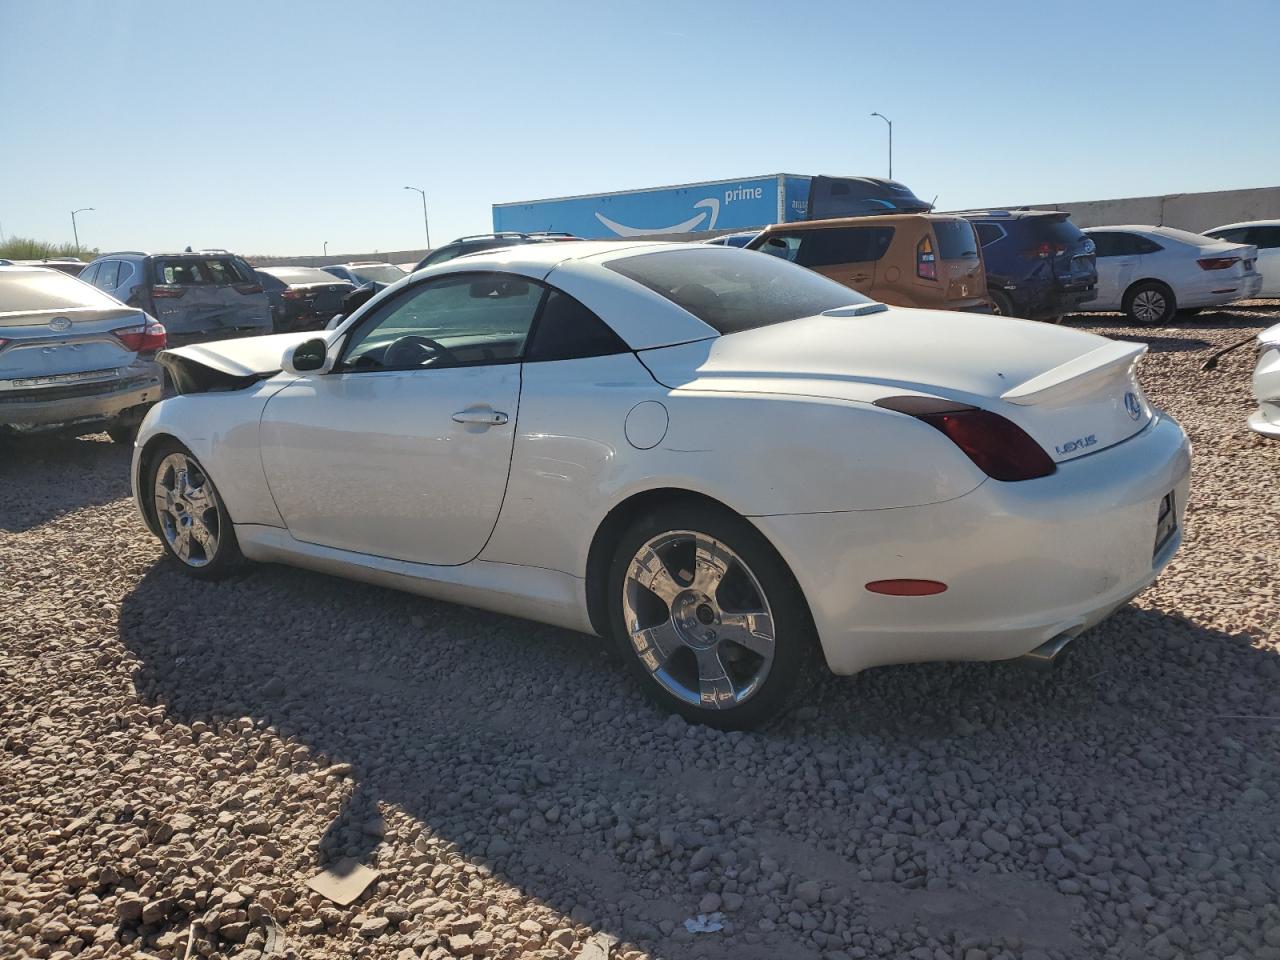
[198,295]
[486,241]
[1039,264]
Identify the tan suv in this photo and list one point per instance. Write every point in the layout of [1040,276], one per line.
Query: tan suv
[908,260]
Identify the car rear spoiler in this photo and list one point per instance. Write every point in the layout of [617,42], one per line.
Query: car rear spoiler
[1078,375]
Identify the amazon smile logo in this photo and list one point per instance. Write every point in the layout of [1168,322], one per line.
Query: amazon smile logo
[711,204]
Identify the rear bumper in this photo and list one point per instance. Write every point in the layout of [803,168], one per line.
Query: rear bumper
[1213,291]
[1023,562]
[1266,420]
[1038,302]
[140,385]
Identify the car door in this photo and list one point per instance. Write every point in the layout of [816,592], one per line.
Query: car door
[1118,264]
[403,449]
[1267,239]
[847,255]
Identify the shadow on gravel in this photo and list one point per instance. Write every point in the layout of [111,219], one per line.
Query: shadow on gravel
[527,747]
[41,478]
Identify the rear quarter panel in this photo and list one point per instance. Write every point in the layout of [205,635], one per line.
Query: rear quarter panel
[573,460]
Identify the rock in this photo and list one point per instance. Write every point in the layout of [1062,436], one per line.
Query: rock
[810,891]
[709,903]
[374,927]
[129,907]
[54,931]
[156,910]
[996,840]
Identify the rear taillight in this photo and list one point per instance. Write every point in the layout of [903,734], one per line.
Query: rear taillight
[1044,251]
[167,291]
[293,294]
[1217,263]
[926,262]
[1000,448]
[144,338]
[247,288]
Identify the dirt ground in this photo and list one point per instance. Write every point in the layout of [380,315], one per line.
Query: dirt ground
[178,759]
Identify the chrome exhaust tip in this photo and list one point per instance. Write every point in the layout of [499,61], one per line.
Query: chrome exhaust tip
[1048,653]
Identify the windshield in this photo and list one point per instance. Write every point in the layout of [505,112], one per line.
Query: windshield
[731,289]
[40,289]
[956,240]
[378,272]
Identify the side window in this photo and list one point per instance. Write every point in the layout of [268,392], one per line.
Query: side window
[126,275]
[90,273]
[785,246]
[107,274]
[1145,245]
[567,330]
[1103,244]
[988,233]
[822,248]
[459,320]
[1235,235]
[442,255]
[1264,238]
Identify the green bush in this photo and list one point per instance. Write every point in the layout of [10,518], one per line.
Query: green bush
[25,248]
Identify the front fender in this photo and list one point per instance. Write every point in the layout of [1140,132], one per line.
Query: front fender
[221,430]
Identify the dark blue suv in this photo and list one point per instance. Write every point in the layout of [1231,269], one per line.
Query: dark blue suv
[1039,265]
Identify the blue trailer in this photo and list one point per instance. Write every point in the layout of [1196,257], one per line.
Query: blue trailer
[714,206]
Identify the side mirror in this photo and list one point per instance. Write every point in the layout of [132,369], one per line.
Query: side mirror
[335,322]
[307,357]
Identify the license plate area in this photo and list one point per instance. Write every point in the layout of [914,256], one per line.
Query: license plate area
[1166,522]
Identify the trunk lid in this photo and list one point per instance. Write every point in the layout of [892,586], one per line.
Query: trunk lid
[1075,393]
[62,345]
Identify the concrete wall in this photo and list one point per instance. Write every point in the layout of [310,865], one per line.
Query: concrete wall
[1196,212]
[395,256]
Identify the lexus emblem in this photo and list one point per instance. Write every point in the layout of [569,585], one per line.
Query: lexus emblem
[1132,404]
[58,324]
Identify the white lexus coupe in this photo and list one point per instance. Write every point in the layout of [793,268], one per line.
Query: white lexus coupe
[724,461]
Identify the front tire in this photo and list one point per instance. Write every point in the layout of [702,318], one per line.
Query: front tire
[195,528]
[1150,302]
[708,616]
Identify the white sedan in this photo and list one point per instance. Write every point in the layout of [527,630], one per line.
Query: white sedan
[726,462]
[1263,234]
[1153,272]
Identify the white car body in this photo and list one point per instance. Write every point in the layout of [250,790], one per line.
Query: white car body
[368,475]
[1263,234]
[1171,257]
[1266,385]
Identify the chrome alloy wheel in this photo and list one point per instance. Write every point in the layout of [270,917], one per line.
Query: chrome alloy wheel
[187,509]
[698,619]
[1149,305]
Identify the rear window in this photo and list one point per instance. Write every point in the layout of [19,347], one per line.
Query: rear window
[201,271]
[731,290]
[24,290]
[1044,229]
[301,275]
[377,272]
[956,240]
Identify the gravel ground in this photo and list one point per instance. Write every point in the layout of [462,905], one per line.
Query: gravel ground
[179,758]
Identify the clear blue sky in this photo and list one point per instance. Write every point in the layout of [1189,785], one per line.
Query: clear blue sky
[273,126]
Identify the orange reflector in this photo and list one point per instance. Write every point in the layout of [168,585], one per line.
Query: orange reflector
[906,588]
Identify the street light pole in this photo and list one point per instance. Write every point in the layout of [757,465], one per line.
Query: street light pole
[75,232]
[425,225]
[326,248]
[890,123]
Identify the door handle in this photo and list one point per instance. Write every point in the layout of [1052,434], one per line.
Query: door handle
[490,418]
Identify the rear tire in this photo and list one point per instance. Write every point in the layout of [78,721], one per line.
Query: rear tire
[1001,305]
[708,616]
[1150,302]
[195,528]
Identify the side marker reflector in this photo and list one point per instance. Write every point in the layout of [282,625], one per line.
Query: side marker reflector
[906,588]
